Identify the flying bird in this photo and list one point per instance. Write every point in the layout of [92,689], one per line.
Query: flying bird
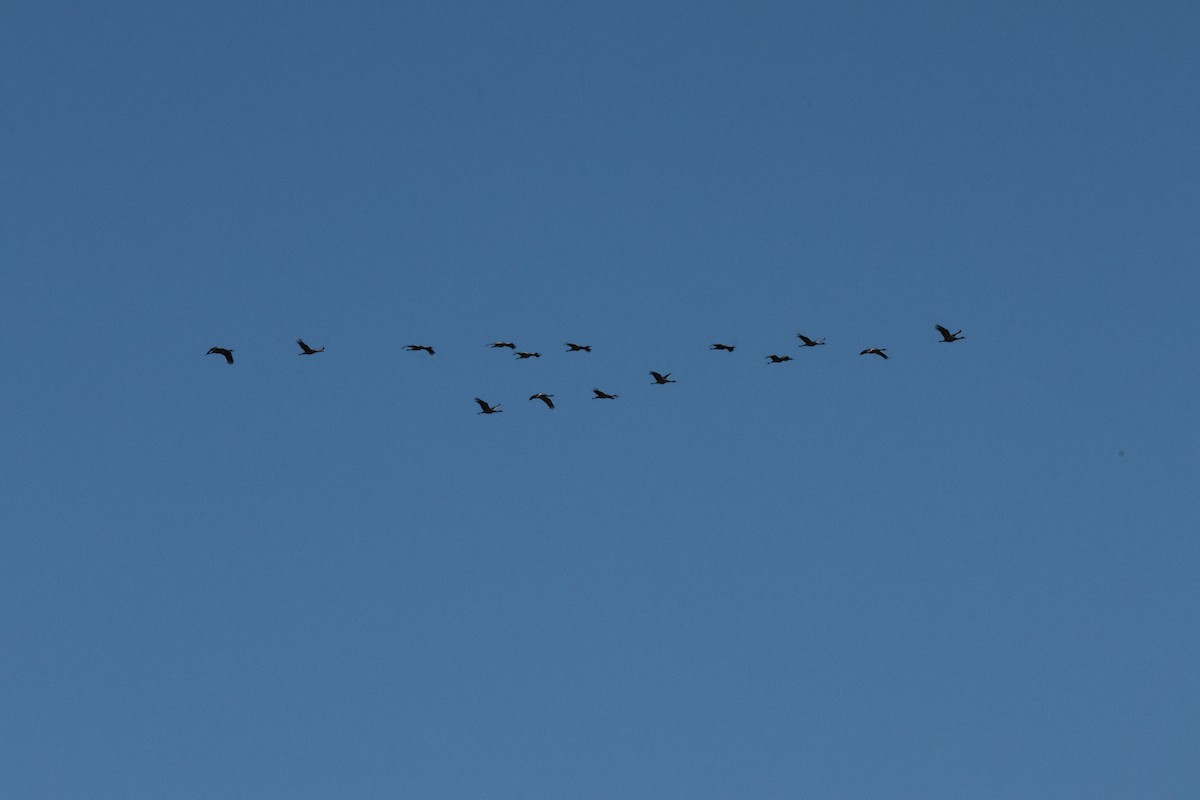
[729,348]
[509,345]
[416,348]
[306,350]
[778,359]
[878,351]
[947,336]
[662,378]
[488,409]
[809,342]
[545,398]
[575,348]
[222,351]
[604,395]
[529,355]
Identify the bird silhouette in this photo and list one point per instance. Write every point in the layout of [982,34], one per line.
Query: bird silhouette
[878,351]
[604,395]
[545,398]
[729,348]
[575,348]
[947,336]
[809,342]
[509,345]
[306,350]
[221,351]
[488,409]
[529,355]
[659,379]
[416,348]
[778,359]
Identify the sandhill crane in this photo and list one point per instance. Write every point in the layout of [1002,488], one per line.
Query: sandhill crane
[509,345]
[729,348]
[809,342]
[778,359]
[604,395]
[416,348]
[488,409]
[947,336]
[575,348]
[529,355]
[660,379]
[878,351]
[306,350]
[545,398]
[221,351]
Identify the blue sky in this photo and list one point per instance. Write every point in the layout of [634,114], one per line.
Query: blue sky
[968,571]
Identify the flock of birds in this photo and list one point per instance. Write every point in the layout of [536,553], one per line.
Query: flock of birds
[659,378]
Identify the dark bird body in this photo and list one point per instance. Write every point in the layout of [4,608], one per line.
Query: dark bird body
[575,348]
[509,345]
[809,342]
[416,348]
[529,355]
[878,351]
[545,398]
[947,336]
[306,350]
[660,379]
[604,395]
[729,348]
[487,409]
[778,359]
[221,351]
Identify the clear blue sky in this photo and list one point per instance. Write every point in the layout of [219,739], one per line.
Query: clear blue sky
[968,571]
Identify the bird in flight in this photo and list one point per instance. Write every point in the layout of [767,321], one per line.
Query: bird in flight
[809,342]
[545,398]
[222,351]
[947,336]
[306,350]
[729,348]
[488,409]
[416,348]
[509,345]
[878,351]
[529,355]
[661,378]
[604,395]
[575,348]
[778,359]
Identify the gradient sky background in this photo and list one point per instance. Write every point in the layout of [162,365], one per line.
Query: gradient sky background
[968,571]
